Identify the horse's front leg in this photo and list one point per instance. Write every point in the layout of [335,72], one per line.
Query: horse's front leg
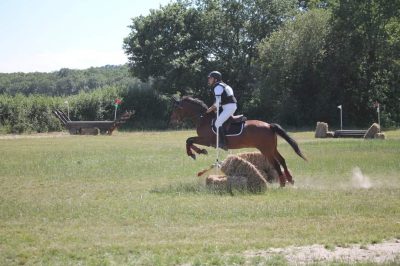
[190,145]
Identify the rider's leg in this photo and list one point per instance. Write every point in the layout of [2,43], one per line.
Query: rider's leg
[222,138]
[227,111]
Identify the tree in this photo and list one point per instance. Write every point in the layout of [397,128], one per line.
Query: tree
[314,63]
[180,43]
[166,45]
[290,74]
[363,58]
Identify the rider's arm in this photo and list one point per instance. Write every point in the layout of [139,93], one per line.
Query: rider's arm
[217,92]
[212,108]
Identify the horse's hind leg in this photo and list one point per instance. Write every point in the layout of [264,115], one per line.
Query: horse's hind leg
[190,145]
[271,159]
[281,160]
[198,150]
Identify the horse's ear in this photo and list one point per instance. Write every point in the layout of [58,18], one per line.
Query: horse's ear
[175,98]
[176,101]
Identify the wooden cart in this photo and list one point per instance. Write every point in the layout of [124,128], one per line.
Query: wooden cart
[92,127]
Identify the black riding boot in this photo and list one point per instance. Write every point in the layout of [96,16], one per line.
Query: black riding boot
[222,139]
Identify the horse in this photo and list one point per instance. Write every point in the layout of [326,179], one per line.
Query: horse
[254,134]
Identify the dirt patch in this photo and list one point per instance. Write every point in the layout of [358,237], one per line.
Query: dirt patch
[388,251]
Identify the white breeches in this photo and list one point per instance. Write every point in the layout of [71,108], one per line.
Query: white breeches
[227,111]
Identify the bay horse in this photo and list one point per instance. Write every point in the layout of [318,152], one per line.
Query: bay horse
[255,134]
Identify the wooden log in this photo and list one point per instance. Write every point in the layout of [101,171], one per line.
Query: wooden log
[349,133]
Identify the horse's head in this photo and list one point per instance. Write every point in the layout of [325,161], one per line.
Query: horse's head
[186,107]
[178,111]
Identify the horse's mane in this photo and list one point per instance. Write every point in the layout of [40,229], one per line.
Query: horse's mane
[195,101]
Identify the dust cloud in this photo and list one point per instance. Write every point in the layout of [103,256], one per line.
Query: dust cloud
[359,180]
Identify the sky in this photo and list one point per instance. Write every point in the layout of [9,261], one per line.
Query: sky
[47,35]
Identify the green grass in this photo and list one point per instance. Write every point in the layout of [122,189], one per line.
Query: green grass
[134,198]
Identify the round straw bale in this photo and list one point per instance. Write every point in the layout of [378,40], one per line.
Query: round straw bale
[240,183]
[240,171]
[380,136]
[372,131]
[321,130]
[262,164]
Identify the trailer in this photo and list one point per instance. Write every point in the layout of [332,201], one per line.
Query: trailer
[92,127]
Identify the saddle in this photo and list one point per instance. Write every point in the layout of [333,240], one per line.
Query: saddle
[233,126]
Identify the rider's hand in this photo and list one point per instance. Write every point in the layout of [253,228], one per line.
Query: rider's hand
[211,109]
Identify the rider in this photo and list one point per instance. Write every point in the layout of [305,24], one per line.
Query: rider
[225,98]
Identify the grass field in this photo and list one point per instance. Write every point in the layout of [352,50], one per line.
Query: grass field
[134,198]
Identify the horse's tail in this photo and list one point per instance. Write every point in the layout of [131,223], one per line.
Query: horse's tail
[281,132]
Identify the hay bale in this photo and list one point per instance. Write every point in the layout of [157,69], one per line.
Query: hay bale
[330,134]
[89,131]
[372,131]
[241,183]
[262,164]
[216,181]
[241,172]
[321,130]
[223,182]
[380,136]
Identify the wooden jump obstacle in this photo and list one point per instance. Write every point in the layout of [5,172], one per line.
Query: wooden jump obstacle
[374,132]
[349,133]
[91,127]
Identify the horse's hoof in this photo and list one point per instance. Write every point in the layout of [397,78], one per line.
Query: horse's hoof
[204,151]
[193,156]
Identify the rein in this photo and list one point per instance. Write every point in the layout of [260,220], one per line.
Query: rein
[197,115]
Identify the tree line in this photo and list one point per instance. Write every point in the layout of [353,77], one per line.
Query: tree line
[290,62]
[21,113]
[65,81]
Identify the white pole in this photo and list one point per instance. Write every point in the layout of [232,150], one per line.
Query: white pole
[341,117]
[379,118]
[218,98]
[115,113]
